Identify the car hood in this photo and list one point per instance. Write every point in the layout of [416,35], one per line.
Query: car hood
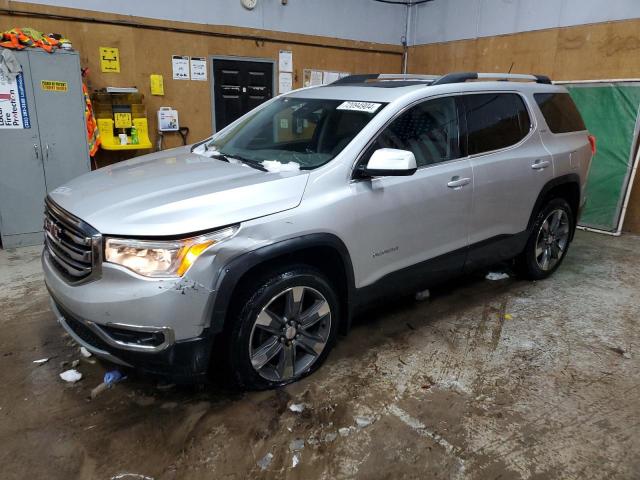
[177,192]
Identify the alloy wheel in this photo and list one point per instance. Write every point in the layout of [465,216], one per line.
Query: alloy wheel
[553,238]
[290,333]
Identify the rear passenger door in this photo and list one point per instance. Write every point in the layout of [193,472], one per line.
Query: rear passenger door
[510,167]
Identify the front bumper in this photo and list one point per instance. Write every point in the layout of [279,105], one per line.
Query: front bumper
[160,327]
[185,361]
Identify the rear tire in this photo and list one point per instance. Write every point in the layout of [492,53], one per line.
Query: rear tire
[282,326]
[548,242]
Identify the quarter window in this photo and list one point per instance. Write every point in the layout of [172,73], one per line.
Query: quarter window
[560,112]
[495,121]
[429,130]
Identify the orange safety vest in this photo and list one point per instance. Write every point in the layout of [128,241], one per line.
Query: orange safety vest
[16,39]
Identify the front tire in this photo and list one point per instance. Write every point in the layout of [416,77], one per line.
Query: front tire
[283,327]
[549,241]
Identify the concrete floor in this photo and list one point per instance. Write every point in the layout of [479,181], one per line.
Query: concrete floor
[486,380]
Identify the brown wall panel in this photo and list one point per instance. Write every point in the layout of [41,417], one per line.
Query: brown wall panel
[586,52]
[147,46]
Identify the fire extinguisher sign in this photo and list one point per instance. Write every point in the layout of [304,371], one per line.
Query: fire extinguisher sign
[14,112]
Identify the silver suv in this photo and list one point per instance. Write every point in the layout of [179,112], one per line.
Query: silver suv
[254,248]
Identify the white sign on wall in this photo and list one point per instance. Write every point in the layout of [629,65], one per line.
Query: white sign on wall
[14,112]
[285,82]
[180,65]
[285,61]
[199,68]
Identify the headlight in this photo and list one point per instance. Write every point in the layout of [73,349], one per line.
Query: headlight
[158,258]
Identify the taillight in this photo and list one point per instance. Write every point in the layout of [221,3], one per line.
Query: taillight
[592,142]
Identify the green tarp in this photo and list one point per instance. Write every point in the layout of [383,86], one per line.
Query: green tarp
[610,111]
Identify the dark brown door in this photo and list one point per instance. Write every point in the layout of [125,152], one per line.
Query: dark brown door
[239,86]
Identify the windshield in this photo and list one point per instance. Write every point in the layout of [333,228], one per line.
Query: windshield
[300,131]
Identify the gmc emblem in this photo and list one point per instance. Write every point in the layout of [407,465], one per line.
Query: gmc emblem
[53,229]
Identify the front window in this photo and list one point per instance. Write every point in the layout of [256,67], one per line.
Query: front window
[430,130]
[305,132]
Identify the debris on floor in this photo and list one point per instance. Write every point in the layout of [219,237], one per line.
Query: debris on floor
[497,276]
[295,461]
[265,461]
[296,445]
[622,351]
[110,379]
[297,407]
[85,353]
[42,361]
[508,316]
[344,432]
[71,376]
[330,437]
[75,363]
[423,295]
[130,476]
[364,422]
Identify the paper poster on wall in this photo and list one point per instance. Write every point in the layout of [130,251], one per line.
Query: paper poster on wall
[285,61]
[14,112]
[109,60]
[285,82]
[199,68]
[329,77]
[157,84]
[316,78]
[180,65]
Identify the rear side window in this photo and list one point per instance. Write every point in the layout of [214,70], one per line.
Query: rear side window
[495,121]
[560,112]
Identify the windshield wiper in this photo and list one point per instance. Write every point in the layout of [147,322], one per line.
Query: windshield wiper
[247,161]
[219,156]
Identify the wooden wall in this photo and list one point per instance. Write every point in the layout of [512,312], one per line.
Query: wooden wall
[586,52]
[146,47]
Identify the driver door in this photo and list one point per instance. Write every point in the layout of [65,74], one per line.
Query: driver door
[409,232]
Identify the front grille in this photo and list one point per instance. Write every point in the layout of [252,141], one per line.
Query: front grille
[74,247]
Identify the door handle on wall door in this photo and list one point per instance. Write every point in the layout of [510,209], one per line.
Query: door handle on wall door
[540,164]
[37,151]
[457,182]
[46,152]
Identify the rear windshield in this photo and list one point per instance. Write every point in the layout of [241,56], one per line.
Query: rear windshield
[560,112]
[307,132]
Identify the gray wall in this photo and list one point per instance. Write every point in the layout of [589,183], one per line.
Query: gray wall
[446,20]
[367,20]
[350,19]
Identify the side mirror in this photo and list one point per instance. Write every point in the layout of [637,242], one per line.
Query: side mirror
[390,162]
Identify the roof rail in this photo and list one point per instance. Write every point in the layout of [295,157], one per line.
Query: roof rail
[387,77]
[464,76]
[356,78]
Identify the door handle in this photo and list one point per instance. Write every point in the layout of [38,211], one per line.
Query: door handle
[457,182]
[36,149]
[540,164]
[46,152]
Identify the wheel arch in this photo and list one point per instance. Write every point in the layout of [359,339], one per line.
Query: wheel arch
[566,187]
[324,251]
